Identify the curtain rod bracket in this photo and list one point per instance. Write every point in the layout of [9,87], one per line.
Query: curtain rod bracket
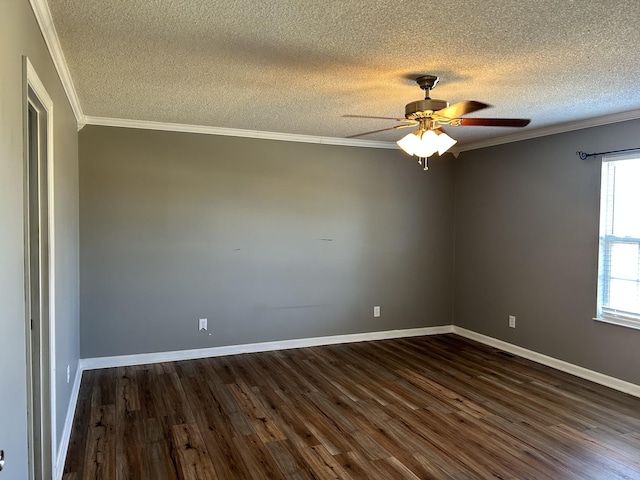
[585,155]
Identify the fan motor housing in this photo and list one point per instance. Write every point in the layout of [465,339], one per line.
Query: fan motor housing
[423,108]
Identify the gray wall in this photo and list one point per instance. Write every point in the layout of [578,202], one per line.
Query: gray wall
[19,35]
[526,224]
[269,240]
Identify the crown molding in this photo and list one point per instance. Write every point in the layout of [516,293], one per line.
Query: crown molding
[45,22]
[235,132]
[553,129]
[289,137]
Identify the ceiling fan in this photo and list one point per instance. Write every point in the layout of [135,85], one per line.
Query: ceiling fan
[430,115]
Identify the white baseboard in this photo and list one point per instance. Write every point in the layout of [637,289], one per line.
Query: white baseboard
[595,377]
[144,358]
[68,424]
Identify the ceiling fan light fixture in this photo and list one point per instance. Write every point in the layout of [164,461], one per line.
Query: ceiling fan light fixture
[410,143]
[428,144]
[424,143]
[445,142]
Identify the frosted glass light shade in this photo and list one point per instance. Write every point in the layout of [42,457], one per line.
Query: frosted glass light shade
[445,142]
[409,143]
[426,144]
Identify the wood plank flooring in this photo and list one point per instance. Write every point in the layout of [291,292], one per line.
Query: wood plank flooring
[438,407]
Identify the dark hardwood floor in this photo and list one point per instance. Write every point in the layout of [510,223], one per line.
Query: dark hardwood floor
[427,407]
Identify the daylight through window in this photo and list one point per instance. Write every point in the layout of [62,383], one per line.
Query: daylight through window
[619,260]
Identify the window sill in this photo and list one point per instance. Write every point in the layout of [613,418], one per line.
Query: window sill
[620,322]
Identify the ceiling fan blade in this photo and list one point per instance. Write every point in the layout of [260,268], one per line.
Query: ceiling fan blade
[491,122]
[381,130]
[380,118]
[461,108]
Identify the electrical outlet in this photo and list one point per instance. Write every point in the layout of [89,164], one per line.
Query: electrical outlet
[376,311]
[202,324]
[68,373]
[512,321]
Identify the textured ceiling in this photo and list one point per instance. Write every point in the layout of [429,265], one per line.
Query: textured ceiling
[297,66]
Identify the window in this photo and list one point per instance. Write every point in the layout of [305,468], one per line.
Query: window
[619,258]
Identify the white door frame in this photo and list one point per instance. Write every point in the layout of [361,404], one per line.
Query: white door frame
[36,95]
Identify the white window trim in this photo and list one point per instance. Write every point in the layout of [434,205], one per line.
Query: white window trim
[620,321]
[614,316]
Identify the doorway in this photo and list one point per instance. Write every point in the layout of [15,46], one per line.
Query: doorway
[38,275]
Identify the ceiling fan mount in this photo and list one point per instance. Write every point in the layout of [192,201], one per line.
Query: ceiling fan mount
[427,82]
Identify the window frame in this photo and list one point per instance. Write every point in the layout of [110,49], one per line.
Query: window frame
[606,241]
